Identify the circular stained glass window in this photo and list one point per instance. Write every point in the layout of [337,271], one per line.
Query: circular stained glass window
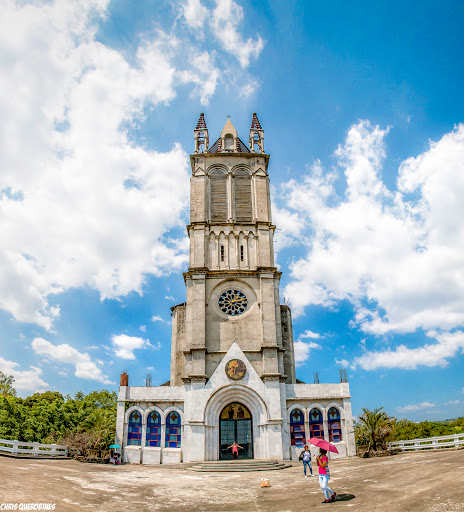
[233,302]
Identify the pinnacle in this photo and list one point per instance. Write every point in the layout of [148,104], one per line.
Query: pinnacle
[255,124]
[201,125]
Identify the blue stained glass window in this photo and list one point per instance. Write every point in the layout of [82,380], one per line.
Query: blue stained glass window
[297,428]
[134,435]
[316,424]
[335,425]
[153,429]
[173,430]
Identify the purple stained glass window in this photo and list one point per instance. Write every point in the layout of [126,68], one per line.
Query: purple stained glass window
[173,430]
[316,424]
[297,428]
[134,435]
[335,426]
[153,429]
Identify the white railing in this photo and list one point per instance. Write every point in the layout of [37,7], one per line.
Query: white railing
[454,441]
[33,449]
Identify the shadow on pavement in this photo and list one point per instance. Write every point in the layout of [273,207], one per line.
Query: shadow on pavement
[345,497]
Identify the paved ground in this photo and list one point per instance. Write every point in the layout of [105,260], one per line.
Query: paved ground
[414,482]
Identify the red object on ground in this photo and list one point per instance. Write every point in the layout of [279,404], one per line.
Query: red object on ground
[322,443]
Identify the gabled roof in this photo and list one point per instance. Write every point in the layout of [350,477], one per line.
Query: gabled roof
[217,147]
[229,128]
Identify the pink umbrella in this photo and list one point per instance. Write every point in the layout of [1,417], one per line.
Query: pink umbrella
[322,443]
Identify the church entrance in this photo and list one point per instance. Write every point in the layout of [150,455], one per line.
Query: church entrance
[235,424]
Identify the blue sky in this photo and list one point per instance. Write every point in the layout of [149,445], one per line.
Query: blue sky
[361,106]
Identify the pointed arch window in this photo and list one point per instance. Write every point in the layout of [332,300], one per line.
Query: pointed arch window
[297,428]
[316,424]
[335,426]
[153,429]
[218,196]
[173,430]
[134,434]
[242,194]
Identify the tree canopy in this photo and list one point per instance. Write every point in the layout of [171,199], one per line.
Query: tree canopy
[6,385]
[375,428]
[85,421]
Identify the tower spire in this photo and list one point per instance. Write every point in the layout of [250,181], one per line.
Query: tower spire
[201,135]
[256,135]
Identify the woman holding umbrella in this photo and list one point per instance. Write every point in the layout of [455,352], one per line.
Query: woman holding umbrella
[323,464]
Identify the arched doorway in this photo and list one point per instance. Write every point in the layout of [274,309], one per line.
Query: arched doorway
[235,424]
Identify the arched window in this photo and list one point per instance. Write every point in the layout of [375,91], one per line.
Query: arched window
[243,204]
[134,435]
[173,430]
[228,143]
[335,426]
[297,428]
[316,424]
[153,429]
[218,196]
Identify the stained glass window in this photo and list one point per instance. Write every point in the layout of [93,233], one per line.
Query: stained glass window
[173,430]
[134,435]
[335,426]
[297,428]
[316,424]
[153,429]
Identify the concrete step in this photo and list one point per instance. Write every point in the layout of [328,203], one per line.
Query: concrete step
[238,466]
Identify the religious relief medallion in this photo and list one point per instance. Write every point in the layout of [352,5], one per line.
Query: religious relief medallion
[235,369]
[233,302]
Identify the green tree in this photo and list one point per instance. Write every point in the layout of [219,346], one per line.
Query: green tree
[6,385]
[374,427]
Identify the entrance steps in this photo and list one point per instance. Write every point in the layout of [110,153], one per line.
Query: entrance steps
[226,466]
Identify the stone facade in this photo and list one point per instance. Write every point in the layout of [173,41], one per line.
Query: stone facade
[232,340]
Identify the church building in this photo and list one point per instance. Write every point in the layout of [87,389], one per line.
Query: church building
[232,358]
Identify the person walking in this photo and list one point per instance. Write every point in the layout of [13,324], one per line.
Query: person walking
[305,456]
[235,448]
[324,476]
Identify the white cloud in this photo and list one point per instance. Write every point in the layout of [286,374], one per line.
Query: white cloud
[204,74]
[64,353]
[25,380]
[195,14]
[453,402]
[309,334]
[143,328]
[447,345]
[395,255]
[157,318]
[84,205]
[416,407]
[223,22]
[302,351]
[125,345]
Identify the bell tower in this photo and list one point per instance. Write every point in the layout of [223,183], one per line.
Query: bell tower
[232,282]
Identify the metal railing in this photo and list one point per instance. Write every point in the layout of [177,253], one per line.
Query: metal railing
[430,443]
[33,449]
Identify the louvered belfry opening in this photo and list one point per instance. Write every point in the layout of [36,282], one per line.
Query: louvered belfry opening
[218,196]
[243,208]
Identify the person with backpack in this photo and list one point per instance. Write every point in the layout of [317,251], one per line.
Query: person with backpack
[305,456]
[324,476]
